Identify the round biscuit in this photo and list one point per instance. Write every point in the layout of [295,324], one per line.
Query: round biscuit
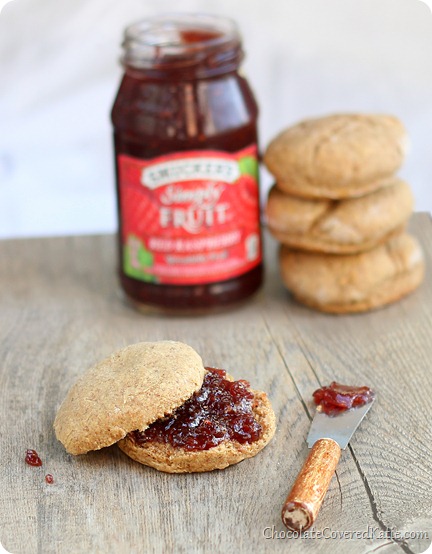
[356,282]
[339,226]
[337,156]
[127,391]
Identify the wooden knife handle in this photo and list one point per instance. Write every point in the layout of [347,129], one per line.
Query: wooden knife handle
[307,494]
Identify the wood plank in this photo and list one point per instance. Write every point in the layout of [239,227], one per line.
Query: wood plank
[61,310]
[390,350]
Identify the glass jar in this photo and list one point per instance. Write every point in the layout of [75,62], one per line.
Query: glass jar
[185,141]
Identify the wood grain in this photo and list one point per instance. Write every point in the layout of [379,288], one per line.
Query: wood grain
[61,310]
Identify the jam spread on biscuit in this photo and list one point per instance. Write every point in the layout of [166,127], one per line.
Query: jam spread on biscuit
[49,479]
[337,398]
[32,458]
[221,410]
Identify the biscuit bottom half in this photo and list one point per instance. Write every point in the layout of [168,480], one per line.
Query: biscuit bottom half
[170,458]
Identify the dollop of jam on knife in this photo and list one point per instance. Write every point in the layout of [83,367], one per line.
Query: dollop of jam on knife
[337,398]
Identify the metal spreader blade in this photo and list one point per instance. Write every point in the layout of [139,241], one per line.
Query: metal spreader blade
[340,427]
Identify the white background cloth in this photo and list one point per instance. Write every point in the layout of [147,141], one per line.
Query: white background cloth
[59,73]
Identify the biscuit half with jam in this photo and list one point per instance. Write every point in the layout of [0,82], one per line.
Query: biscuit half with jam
[167,410]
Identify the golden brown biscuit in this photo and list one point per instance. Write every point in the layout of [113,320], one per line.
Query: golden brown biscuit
[127,391]
[357,282]
[137,386]
[164,457]
[338,156]
[339,226]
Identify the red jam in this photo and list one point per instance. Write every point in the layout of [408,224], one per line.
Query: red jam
[49,479]
[220,411]
[338,398]
[189,37]
[32,458]
[185,138]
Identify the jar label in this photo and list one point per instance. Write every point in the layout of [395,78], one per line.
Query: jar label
[191,217]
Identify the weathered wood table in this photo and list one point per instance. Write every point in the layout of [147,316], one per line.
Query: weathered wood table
[61,310]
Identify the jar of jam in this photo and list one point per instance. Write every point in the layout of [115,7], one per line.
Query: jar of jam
[185,140]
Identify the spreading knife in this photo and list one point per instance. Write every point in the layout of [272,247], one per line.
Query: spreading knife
[328,435]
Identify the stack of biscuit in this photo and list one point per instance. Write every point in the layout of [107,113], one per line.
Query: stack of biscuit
[340,212]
